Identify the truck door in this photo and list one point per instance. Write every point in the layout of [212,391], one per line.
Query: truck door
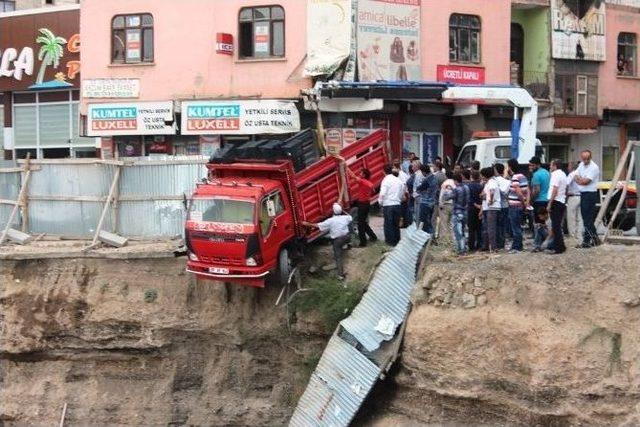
[276,225]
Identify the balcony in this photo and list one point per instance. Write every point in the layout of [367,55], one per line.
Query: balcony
[535,82]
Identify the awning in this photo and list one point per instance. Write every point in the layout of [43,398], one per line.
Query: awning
[401,90]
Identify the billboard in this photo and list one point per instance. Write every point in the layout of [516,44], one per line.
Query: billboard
[578,29]
[40,50]
[139,118]
[239,117]
[328,36]
[389,40]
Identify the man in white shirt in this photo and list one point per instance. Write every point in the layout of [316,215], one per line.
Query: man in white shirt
[491,207]
[587,177]
[392,191]
[338,228]
[404,204]
[574,217]
[556,205]
[504,228]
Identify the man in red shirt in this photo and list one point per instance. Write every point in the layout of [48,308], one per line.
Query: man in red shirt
[363,198]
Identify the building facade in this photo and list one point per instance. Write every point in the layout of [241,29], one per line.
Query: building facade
[40,84]
[13,5]
[578,59]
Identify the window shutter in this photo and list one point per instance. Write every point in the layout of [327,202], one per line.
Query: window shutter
[54,125]
[24,121]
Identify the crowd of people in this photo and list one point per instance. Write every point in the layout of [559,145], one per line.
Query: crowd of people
[475,209]
[488,209]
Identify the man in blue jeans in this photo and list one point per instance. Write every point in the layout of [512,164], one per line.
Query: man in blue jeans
[540,196]
[587,176]
[460,196]
[428,195]
[518,199]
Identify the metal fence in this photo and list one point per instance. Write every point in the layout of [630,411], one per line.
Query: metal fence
[67,197]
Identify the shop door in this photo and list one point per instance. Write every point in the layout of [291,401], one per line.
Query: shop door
[431,147]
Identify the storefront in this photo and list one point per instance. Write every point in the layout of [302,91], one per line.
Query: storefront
[39,84]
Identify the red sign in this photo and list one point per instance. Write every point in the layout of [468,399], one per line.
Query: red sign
[224,43]
[461,75]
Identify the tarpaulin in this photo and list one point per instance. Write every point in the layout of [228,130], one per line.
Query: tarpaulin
[328,36]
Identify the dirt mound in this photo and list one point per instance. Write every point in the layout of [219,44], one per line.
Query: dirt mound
[527,339]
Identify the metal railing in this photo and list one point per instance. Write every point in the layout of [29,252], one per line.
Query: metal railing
[535,82]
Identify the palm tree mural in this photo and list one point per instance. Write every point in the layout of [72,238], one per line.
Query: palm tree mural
[51,51]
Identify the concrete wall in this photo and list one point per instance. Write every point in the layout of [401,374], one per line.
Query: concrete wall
[186,63]
[495,17]
[619,93]
[537,45]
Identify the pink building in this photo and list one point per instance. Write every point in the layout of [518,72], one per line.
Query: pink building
[159,56]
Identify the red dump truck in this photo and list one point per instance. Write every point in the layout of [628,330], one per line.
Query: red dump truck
[244,224]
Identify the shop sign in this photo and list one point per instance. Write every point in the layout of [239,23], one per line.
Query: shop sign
[224,43]
[142,118]
[111,88]
[389,40]
[349,136]
[239,117]
[460,75]
[578,29]
[42,52]
[329,36]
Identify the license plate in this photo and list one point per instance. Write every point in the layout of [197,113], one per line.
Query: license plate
[217,270]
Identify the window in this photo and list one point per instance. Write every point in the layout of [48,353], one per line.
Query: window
[265,219]
[261,32]
[464,38]
[132,39]
[47,123]
[502,152]
[626,64]
[576,95]
[7,5]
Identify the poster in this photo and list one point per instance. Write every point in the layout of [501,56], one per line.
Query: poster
[389,40]
[333,141]
[140,118]
[578,29]
[261,38]
[328,36]
[133,45]
[239,117]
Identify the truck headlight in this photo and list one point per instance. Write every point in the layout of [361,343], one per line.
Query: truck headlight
[251,262]
[193,257]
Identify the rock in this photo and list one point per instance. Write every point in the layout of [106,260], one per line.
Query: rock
[313,269]
[329,267]
[482,300]
[477,282]
[632,302]
[468,301]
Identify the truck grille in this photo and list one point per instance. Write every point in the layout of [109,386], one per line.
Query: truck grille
[222,260]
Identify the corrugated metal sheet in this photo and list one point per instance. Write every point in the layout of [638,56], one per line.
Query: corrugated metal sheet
[162,183]
[77,218]
[345,376]
[337,387]
[389,293]
[9,190]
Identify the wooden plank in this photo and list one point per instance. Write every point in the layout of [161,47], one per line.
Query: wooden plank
[114,184]
[23,199]
[632,164]
[625,240]
[614,182]
[102,199]
[75,162]
[15,170]
[8,202]
[14,211]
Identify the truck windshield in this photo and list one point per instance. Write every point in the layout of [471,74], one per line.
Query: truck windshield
[467,156]
[222,210]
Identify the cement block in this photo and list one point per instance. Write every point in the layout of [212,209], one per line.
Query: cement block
[19,237]
[112,239]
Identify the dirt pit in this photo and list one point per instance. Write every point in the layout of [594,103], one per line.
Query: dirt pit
[524,339]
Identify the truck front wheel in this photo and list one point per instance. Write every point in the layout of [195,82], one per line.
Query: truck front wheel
[284,266]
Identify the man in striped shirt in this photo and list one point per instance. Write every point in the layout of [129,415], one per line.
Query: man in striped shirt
[518,200]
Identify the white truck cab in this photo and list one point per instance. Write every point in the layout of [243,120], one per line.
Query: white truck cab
[494,149]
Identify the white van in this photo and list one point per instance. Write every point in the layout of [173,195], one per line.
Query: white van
[489,151]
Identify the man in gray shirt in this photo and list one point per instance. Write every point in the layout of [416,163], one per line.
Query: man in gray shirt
[587,177]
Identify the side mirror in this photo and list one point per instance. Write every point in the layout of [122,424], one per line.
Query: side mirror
[271,208]
[185,203]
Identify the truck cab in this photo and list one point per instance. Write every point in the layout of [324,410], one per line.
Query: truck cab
[236,230]
[493,148]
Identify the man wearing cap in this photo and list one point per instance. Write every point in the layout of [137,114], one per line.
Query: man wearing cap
[338,228]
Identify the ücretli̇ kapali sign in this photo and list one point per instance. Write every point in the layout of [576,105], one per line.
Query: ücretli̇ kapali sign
[239,117]
[139,118]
